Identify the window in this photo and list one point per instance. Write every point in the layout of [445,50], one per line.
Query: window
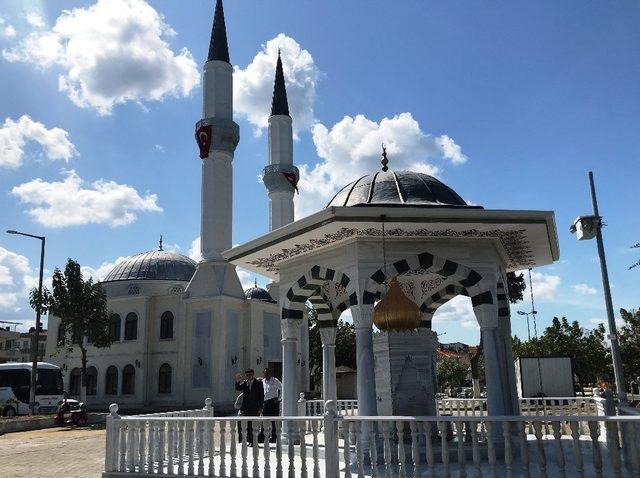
[111,381]
[164,378]
[114,328]
[92,381]
[128,380]
[131,326]
[133,290]
[74,382]
[166,325]
[61,333]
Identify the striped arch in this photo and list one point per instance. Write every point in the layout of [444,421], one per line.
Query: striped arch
[503,302]
[432,303]
[465,277]
[308,286]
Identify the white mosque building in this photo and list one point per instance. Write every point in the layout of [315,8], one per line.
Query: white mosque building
[181,329]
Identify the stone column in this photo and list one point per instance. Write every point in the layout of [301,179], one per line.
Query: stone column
[328,336]
[363,321]
[290,366]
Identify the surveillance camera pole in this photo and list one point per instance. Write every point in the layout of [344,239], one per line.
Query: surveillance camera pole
[613,333]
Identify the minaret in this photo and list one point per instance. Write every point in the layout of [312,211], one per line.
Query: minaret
[217,136]
[280,176]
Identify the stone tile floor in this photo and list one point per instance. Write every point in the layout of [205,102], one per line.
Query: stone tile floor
[53,453]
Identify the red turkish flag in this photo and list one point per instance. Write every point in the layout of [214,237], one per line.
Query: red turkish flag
[203,137]
[291,177]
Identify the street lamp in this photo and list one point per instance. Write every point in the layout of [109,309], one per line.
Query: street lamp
[533,312]
[36,335]
[585,228]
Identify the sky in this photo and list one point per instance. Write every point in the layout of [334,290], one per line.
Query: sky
[509,103]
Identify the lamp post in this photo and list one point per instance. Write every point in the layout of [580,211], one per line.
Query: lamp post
[587,227]
[35,341]
[533,312]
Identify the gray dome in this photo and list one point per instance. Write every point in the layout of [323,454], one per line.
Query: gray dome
[258,293]
[397,188]
[155,265]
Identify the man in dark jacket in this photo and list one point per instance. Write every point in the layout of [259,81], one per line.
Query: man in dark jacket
[252,400]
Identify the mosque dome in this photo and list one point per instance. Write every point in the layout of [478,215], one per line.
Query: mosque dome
[398,188]
[396,311]
[154,265]
[258,293]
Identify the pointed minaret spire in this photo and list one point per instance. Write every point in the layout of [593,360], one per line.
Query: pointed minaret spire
[279,106]
[218,47]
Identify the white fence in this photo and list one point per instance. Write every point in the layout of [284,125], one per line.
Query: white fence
[348,446]
[564,406]
[315,408]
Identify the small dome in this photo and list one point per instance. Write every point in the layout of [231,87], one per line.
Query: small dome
[155,265]
[398,188]
[258,293]
[396,311]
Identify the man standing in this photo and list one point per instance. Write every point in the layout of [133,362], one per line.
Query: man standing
[252,400]
[272,392]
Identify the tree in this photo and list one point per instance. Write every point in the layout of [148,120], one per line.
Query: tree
[630,343]
[345,346]
[637,263]
[587,348]
[451,372]
[516,286]
[81,307]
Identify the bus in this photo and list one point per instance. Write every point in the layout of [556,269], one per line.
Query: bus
[15,383]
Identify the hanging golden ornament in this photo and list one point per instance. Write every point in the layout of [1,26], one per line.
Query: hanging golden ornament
[396,311]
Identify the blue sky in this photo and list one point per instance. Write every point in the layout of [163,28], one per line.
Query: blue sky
[509,103]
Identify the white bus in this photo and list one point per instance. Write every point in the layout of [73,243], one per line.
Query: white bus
[15,383]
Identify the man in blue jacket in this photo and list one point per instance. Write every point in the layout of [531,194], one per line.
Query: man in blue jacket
[252,400]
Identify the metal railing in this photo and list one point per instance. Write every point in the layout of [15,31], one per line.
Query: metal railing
[346,446]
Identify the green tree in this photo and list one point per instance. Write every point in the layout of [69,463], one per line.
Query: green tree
[587,348]
[630,343]
[451,372]
[81,307]
[515,286]
[345,346]
[637,263]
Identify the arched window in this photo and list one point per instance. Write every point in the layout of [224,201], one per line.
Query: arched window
[131,326]
[74,382]
[114,328]
[111,381]
[128,380]
[166,325]
[61,333]
[92,381]
[164,378]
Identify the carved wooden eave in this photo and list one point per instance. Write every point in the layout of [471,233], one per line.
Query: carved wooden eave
[523,238]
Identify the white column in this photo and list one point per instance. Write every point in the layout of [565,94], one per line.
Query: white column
[280,140]
[217,101]
[290,366]
[495,385]
[281,209]
[363,321]
[329,390]
[217,204]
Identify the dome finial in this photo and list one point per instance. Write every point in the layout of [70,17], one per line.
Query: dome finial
[160,243]
[255,282]
[384,159]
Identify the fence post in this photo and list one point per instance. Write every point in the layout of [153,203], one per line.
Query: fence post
[111,447]
[302,405]
[331,460]
[208,407]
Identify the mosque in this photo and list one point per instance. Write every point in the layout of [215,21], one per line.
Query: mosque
[181,329]
[391,247]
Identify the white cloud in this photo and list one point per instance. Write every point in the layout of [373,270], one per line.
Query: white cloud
[72,203]
[352,148]
[194,251]
[253,85]
[159,148]
[584,289]
[545,286]
[458,310]
[14,135]
[6,29]
[35,20]
[15,278]
[111,52]
[100,272]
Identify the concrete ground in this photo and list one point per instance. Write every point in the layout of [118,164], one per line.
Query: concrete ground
[53,453]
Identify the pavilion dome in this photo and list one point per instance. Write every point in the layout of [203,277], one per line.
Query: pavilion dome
[398,188]
[154,265]
[258,293]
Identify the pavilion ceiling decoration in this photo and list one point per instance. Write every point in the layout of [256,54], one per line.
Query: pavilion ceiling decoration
[515,243]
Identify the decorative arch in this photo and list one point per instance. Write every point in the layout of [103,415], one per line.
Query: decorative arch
[308,287]
[435,301]
[463,276]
